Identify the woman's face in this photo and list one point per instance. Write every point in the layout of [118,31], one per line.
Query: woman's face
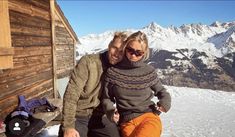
[134,51]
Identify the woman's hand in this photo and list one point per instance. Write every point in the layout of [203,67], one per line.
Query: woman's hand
[160,108]
[116,116]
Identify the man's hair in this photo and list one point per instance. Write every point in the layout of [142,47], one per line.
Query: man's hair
[122,35]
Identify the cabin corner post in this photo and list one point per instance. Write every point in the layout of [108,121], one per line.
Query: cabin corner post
[6,50]
[52,10]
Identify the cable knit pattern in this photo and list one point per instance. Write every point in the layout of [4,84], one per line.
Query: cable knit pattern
[134,82]
[132,85]
[140,77]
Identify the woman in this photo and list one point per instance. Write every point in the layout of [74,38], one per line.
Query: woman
[131,84]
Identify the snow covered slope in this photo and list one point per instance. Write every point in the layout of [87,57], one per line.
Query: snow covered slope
[194,113]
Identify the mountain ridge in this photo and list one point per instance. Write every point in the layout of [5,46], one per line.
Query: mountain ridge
[193,55]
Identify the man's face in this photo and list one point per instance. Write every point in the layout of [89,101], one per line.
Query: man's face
[115,52]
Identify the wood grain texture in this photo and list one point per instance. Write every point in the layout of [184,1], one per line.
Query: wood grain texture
[6,61]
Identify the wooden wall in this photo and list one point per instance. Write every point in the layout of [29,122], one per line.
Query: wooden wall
[64,45]
[32,73]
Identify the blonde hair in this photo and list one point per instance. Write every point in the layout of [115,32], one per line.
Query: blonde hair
[122,35]
[142,39]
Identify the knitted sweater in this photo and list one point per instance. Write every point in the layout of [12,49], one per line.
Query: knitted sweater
[132,85]
[84,88]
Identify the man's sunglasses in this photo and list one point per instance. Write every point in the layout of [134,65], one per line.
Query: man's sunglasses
[132,51]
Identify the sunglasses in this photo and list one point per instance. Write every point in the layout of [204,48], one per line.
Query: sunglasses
[132,51]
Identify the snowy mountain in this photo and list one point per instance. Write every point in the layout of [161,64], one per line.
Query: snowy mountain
[193,55]
[224,41]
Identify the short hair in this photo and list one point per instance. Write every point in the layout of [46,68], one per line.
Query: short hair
[122,35]
[142,39]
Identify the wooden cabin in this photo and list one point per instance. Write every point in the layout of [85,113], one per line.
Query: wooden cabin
[37,47]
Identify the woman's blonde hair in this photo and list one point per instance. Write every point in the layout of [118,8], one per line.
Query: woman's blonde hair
[142,39]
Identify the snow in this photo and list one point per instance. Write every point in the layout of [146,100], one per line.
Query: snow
[194,113]
[61,85]
[210,39]
[199,113]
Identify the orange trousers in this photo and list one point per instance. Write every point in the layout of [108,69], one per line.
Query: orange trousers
[146,125]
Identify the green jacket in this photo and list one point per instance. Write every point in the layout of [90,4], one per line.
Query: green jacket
[84,88]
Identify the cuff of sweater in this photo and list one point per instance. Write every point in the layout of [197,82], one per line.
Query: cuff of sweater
[110,114]
[68,125]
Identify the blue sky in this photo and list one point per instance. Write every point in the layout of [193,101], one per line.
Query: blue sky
[88,17]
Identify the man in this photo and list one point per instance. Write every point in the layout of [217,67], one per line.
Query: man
[82,115]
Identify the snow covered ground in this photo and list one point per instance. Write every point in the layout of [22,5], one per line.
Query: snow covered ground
[200,113]
[194,113]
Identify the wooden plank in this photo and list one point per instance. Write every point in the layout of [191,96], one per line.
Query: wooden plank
[66,64]
[12,87]
[37,87]
[58,23]
[30,61]
[60,34]
[63,41]
[5,35]
[27,8]
[65,45]
[44,4]
[63,53]
[32,21]
[21,40]
[64,49]
[63,73]
[24,69]
[52,11]
[18,29]
[32,51]
[61,29]
[65,59]
[65,67]
[18,74]
[6,51]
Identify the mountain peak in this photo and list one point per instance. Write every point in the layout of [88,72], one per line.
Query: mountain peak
[228,24]
[224,25]
[216,24]
[153,26]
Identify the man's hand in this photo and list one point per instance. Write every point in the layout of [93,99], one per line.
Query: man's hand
[71,132]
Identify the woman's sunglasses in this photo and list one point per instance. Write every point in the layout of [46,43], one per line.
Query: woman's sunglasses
[132,51]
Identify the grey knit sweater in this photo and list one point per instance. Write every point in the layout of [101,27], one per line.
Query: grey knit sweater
[132,85]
